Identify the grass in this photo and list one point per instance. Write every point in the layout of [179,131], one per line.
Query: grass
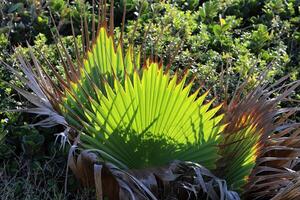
[25,179]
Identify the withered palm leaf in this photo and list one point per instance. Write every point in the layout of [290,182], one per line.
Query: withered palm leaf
[291,191]
[275,169]
[250,134]
[177,180]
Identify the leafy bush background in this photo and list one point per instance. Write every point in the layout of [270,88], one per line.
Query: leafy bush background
[244,37]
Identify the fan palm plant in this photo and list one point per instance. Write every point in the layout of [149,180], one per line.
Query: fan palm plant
[142,134]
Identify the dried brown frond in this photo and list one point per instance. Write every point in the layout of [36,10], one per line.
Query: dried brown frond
[178,180]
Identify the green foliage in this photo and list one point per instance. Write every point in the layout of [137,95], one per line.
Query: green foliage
[235,35]
[217,34]
[23,21]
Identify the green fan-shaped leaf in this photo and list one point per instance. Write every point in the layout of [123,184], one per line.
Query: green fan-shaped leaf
[139,116]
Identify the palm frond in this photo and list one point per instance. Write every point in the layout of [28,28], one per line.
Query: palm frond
[44,95]
[291,191]
[129,111]
[274,170]
[251,121]
[145,108]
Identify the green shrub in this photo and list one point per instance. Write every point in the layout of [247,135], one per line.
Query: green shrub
[234,35]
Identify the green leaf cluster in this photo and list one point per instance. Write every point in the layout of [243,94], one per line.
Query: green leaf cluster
[236,35]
